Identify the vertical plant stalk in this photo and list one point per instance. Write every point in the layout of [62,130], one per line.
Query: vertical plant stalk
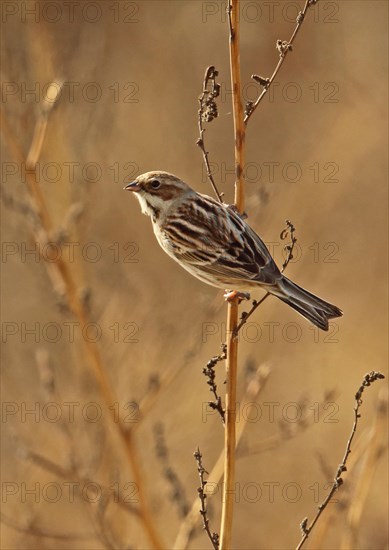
[230,427]
[254,387]
[233,306]
[61,271]
[237,105]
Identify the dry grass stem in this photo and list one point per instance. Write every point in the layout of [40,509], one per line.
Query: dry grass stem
[63,473]
[61,275]
[283,48]
[254,387]
[209,372]
[213,537]
[284,434]
[233,305]
[375,447]
[177,493]
[207,112]
[319,534]
[230,427]
[338,480]
[36,531]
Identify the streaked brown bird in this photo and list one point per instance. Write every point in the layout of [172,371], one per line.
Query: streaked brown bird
[211,241]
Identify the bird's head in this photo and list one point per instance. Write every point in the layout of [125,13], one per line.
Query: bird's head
[157,191]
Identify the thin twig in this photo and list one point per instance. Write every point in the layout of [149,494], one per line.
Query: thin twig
[375,447]
[102,527]
[209,372]
[213,537]
[206,113]
[283,48]
[36,531]
[178,490]
[161,381]
[119,497]
[338,480]
[255,385]
[289,229]
[286,432]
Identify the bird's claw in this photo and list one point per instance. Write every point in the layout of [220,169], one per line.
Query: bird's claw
[232,295]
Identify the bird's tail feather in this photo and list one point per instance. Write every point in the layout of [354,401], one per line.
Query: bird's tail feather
[308,305]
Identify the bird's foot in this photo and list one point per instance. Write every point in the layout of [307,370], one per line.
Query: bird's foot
[231,295]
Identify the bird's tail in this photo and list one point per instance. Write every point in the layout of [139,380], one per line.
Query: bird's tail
[308,305]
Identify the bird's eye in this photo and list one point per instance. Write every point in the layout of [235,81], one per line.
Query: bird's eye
[155,184]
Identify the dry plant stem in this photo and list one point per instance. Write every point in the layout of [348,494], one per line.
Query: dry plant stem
[147,403]
[283,53]
[34,190]
[239,127]
[376,443]
[43,533]
[233,306]
[362,447]
[213,537]
[254,387]
[283,435]
[209,372]
[338,481]
[77,307]
[210,76]
[177,489]
[50,466]
[375,448]
[230,428]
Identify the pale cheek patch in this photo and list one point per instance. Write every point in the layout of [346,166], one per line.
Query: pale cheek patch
[143,205]
[152,205]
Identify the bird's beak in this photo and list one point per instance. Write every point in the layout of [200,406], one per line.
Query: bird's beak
[133,186]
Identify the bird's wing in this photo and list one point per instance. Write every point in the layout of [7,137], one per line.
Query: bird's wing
[213,238]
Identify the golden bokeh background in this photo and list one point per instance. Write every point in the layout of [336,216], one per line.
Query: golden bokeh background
[316,154]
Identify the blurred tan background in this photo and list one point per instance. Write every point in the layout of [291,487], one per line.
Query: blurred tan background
[316,154]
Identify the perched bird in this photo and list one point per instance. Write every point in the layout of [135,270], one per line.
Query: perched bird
[212,241]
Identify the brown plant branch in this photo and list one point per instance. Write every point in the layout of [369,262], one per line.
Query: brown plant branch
[371,442]
[62,277]
[240,121]
[161,381]
[209,372]
[36,531]
[283,48]
[239,127]
[206,113]
[255,385]
[102,528]
[213,537]
[319,535]
[338,480]
[233,305]
[49,102]
[376,443]
[284,433]
[230,427]
[177,495]
[49,466]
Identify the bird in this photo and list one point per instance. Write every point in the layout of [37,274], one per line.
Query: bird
[213,242]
